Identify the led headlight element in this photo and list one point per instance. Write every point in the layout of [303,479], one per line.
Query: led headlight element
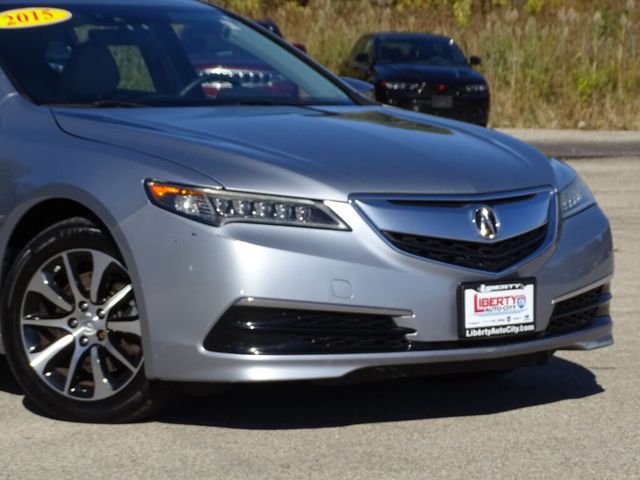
[476,88]
[400,85]
[219,207]
[575,198]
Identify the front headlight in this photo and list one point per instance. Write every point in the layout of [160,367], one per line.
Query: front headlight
[575,198]
[476,88]
[219,207]
[404,86]
[370,94]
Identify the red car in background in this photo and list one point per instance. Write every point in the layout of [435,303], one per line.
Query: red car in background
[212,59]
[228,65]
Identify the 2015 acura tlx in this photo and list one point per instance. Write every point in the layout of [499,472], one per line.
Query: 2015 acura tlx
[187,198]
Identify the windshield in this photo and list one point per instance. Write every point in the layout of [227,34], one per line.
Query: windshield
[435,51]
[134,55]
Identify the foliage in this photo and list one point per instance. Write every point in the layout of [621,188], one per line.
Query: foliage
[550,63]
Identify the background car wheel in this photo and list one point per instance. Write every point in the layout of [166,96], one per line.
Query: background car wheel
[72,331]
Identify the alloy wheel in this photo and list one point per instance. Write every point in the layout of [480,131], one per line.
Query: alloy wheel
[80,325]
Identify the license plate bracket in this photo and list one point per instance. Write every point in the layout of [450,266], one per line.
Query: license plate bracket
[496,309]
[442,101]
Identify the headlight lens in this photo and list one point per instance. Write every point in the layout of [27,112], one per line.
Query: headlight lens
[575,198]
[400,85]
[219,207]
[476,88]
[370,94]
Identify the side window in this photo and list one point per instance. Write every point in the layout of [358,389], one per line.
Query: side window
[213,53]
[368,48]
[134,74]
[359,47]
[123,44]
[57,55]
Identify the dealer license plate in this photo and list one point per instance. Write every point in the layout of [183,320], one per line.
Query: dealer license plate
[495,309]
[442,101]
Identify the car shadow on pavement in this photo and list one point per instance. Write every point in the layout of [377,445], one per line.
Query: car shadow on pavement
[308,405]
[8,384]
[293,405]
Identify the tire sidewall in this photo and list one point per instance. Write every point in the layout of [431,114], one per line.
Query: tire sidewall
[50,243]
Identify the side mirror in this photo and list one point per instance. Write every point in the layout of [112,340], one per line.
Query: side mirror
[362,58]
[363,88]
[300,47]
[474,61]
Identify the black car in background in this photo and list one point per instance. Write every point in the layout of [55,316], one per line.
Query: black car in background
[420,72]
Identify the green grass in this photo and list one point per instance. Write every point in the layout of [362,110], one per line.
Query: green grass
[550,63]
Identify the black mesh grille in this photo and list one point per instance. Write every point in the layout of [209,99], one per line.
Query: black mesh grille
[579,312]
[267,331]
[578,302]
[491,257]
[571,322]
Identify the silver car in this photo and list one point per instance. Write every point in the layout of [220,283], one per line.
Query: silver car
[187,198]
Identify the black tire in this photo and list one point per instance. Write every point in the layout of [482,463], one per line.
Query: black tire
[136,397]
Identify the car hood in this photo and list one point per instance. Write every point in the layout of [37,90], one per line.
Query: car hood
[321,153]
[415,72]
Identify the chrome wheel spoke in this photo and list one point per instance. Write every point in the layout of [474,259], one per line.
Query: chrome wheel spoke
[40,360]
[70,351]
[40,284]
[125,326]
[73,365]
[61,323]
[117,298]
[73,285]
[100,264]
[101,386]
[114,352]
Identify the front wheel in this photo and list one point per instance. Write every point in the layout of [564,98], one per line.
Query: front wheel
[72,329]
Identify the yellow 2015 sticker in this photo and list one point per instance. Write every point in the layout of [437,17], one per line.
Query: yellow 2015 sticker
[32,17]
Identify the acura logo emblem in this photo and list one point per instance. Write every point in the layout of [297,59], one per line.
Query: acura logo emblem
[486,222]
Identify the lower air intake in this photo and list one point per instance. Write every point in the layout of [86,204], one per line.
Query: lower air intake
[268,331]
[580,311]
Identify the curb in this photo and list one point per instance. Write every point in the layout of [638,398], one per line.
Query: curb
[579,143]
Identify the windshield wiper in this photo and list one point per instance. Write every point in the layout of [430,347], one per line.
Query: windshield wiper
[261,101]
[170,102]
[113,103]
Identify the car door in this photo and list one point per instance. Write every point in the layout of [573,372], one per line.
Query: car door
[3,164]
[8,169]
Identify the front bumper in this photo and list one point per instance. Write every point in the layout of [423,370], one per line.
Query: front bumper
[188,275]
[464,108]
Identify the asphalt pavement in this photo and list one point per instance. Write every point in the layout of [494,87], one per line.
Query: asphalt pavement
[576,418]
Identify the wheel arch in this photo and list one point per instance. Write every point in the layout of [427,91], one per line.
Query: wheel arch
[38,217]
[145,398]
[43,211]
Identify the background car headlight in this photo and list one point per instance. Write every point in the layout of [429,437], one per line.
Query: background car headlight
[575,198]
[219,207]
[476,88]
[400,85]
[370,94]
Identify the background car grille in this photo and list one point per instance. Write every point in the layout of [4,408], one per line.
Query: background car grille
[491,257]
[268,331]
